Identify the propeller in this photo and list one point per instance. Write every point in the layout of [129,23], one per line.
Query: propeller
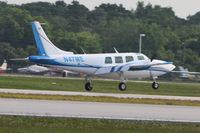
[153,56]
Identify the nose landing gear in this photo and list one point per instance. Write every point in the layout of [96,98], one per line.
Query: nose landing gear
[155,85]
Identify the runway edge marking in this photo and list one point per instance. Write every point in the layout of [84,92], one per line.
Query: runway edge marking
[94,94]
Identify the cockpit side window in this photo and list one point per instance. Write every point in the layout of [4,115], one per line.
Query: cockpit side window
[118,59]
[129,58]
[108,60]
[140,57]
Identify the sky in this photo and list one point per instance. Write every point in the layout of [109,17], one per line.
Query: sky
[182,8]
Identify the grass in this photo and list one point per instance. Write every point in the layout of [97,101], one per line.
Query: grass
[23,124]
[102,99]
[65,84]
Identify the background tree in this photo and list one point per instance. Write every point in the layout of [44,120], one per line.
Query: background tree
[73,26]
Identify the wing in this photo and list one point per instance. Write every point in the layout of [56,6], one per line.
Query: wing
[185,72]
[134,66]
[121,68]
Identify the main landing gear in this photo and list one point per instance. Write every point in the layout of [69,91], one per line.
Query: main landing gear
[88,84]
[122,86]
[89,87]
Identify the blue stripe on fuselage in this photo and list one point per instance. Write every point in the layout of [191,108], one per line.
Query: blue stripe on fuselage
[139,68]
[119,68]
[49,61]
[112,69]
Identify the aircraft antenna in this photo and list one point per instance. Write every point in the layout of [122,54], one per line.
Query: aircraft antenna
[116,50]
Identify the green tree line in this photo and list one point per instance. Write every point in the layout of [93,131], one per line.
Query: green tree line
[73,26]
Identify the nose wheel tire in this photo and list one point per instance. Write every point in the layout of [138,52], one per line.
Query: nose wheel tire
[155,85]
[122,86]
[88,86]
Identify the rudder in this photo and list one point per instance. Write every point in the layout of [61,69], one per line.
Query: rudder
[44,45]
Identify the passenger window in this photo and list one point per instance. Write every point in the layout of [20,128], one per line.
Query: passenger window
[140,57]
[108,60]
[118,59]
[129,58]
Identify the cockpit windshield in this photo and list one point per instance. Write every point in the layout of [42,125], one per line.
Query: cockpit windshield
[140,57]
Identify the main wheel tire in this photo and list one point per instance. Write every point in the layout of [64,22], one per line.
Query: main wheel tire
[64,74]
[122,86]
[155,85]
[88,86]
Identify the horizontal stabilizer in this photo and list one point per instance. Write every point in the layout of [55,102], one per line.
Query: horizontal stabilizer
[19,59]
[41,59]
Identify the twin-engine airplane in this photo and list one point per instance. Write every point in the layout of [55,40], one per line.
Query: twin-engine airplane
[120,66]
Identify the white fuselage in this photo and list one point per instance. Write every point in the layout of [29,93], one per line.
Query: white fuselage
[90,63]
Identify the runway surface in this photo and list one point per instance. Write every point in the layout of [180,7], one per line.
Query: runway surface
[94,94]
[99,110]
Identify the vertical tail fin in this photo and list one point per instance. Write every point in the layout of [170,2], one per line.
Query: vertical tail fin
[44,45]
[4,65]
